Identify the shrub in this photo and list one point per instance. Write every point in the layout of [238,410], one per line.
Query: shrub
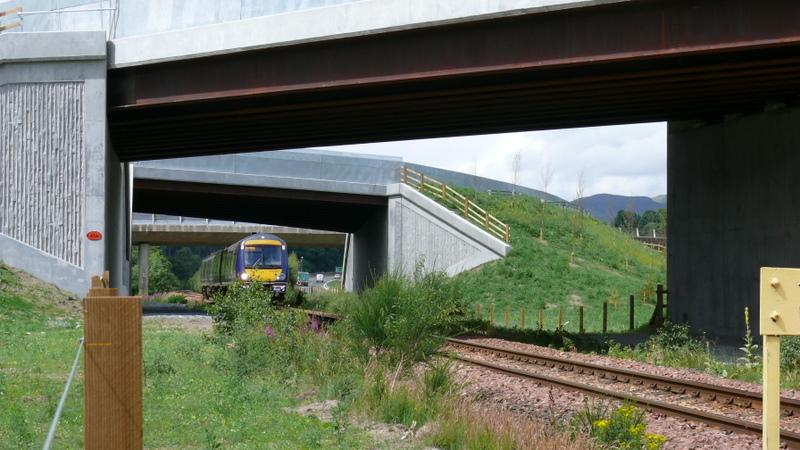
[673,336]
[241,306]
[405,318]
[176,298]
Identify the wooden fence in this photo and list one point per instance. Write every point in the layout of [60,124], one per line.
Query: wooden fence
[451,198]
[493,320]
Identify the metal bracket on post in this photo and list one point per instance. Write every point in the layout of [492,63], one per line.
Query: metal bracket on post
[779,316]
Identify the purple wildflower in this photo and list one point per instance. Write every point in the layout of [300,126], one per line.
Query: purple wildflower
[316,326]
[269,332]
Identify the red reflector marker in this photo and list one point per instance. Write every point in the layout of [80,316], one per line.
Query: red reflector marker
[94,235]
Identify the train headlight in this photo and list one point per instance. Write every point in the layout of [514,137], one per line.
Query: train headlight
[244,276]
[281,276]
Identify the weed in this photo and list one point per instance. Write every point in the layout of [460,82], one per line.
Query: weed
[158,365]
[623,427]
[750,348]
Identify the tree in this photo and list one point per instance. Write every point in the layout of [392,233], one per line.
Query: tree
[627,220]
[160,277]
[546,175]
[516,167]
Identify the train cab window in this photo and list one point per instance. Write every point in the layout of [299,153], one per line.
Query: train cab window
[262,256]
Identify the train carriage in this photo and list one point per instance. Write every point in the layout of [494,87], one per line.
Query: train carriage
[259,258]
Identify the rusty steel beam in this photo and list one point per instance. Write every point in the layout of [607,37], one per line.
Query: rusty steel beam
[615,63]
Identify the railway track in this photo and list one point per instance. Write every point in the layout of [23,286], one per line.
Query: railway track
[708,392]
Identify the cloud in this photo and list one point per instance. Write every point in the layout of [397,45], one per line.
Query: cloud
[623,159]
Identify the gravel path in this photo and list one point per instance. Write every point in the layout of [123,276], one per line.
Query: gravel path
[529,397]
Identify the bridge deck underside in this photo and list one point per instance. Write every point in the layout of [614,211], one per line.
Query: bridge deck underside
[304,209]
[605,64]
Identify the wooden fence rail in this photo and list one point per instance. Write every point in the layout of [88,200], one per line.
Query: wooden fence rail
[557,318]
[451,198]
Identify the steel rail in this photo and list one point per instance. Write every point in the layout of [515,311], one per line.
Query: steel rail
[791,438]
[710,392]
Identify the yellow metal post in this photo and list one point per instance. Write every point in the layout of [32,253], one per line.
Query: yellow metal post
[771,403]
[779,316]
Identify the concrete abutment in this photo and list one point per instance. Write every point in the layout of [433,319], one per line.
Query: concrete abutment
[59,177]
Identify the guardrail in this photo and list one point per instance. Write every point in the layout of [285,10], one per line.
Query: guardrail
[9,12]
[449,197]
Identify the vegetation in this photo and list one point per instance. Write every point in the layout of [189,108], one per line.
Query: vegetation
[160,275]
[624,427]
[579,262]
[674,346]
[647,222]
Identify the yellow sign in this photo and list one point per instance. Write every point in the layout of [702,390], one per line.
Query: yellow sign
[780,301]
[780,316]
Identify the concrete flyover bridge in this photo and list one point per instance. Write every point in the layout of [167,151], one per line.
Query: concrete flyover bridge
[160,229]
[157,82]
[391,226]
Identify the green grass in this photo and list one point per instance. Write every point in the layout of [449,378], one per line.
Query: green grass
[193,395]
[607,266]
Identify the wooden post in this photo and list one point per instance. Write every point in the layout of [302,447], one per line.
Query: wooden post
[522,318]
[486,220]
[491,314]
[580,320]
[631,320]
[560,317]
[541,319]
[605,317]
[444,191]
[508,233]
[657,319]
[405,174]
[771,403]
[478,311]
[466,209]
[422,182]
[112,368]
[506,317]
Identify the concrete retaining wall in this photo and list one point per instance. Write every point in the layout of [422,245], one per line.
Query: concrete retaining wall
[53,160]
[733,202]
[425,235]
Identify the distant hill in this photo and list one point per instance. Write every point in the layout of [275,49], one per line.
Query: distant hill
[661,199]
[604,207]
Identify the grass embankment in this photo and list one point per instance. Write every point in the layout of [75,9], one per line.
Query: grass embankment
[580,262]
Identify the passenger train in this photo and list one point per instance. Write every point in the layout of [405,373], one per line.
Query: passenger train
[258,258]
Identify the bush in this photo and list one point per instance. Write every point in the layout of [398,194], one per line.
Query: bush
[177,298]
[405,318]
[673,336]
[241,306]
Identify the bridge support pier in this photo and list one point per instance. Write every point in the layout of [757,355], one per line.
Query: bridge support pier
[733,198]
[144,268]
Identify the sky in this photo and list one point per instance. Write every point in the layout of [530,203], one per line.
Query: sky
[623,159]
